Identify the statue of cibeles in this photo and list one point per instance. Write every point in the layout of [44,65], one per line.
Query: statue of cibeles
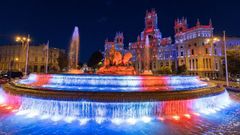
[116,63]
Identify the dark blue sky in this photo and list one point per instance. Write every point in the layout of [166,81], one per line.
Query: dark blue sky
[99,19]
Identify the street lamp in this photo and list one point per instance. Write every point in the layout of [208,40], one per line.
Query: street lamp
[25,43]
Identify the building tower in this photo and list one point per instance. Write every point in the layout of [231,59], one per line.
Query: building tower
[151,26]
[180,25]
[118,41]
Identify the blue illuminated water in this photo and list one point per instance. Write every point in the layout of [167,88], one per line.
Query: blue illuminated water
[226,121]
[34,122]
[216,114]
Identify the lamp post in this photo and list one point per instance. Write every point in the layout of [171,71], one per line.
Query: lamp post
[25,44]
[225,57]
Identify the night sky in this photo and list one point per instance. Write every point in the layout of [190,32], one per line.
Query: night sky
[100,19]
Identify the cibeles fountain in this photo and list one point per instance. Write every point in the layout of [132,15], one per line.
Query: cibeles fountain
[116,95]
[117,64]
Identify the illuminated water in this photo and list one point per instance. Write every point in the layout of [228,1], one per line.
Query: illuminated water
[112,83]
[35,116]
[206,115]
[226,121]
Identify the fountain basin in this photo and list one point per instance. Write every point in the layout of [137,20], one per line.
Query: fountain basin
[110,83]
[112,88]
[119,99]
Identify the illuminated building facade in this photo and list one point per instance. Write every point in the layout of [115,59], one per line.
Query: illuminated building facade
[197,49]
[162,51]
[13,58]
[194,47]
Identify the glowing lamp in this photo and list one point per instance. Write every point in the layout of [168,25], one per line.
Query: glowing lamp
[18,39]
[176,117]
[146,119]
[69,119]
[207,40]
[187,116]
[131,121]
[216,39]
[9,108]
[161,118]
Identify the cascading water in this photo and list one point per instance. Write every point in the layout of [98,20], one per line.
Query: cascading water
[117,113]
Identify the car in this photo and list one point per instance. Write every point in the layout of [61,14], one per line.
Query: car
[204,79]
[3,80]
[238,77]
[12,74]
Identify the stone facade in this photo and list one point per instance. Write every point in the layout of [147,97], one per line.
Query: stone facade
[12,57]
[197,49]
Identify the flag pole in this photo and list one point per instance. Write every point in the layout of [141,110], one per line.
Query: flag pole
[46,67]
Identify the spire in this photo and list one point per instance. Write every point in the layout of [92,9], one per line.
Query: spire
[153,10]
[138,38]
[198,22]
[183,19]
[210,22]
[106,40]
[175,21]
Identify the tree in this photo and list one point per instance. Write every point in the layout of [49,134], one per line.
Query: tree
[62,60]
[181,69]
[233,59]
[95,59]
[164,70]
